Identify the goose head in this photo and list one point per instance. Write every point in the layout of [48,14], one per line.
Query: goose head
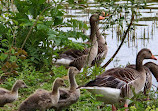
[95,18]
[20,84]
[59,82]
[143,54]
[73,70]
[94,21]
[146,54]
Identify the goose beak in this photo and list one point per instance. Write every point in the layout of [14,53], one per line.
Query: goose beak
[64,85]
[25,86]
[101,18]
[153,57]
[105,15]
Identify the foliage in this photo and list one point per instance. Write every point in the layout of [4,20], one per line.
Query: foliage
[33,26]
[31,35]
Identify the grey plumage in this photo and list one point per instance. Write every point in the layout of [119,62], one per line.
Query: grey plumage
[42,99]
[124,79]
[70,95]
[7,96]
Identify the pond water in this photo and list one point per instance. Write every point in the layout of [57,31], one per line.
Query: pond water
[147,29]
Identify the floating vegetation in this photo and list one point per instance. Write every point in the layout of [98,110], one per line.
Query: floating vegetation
[70,16]
[140,24]
[150,7]
[147,19]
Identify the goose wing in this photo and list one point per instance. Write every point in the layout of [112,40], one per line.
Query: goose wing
[79,62]
[3,91]
[99,58]
[64,94]
[148,82]
[74,53]
[119,78]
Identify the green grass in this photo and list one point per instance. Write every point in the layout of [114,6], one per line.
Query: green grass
[87,102]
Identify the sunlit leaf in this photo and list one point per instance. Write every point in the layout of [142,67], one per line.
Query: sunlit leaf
[3,56]
[42,27]
[13,58]
[41,1]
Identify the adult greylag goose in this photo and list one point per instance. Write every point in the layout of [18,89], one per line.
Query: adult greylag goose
[7,96]
[150,68]
[102,47]
[70,95]
[42,99]
[78,58]
[116,84]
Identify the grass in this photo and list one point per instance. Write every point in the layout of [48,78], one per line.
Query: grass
[87,102]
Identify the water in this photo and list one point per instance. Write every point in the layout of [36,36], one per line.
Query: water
[127,54]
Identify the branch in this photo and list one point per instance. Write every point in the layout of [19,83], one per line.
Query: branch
[123,39]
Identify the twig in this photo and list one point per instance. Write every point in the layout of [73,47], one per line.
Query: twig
[125,34]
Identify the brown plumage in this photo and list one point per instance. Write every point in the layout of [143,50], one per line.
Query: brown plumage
[102,48]
[42,99]
[70,95]
[7,96]
[121,81]
[150,68]
[78,58]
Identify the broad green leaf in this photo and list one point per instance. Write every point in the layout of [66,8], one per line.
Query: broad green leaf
[13,58]
[5,42]
[52,32]
[3,56]
[42,27]
[57,41]
[51,37]
[2,29]
[41,1]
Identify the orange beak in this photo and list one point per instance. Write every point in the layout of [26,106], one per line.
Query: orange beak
[103,14]
[153,57]
[101,18]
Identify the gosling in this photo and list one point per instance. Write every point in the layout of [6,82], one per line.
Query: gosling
[69,96]
[42,99]
[7,96]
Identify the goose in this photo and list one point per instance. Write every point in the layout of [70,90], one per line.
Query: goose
[116,84]
[102,46]
[42,99]
[7,96]
[153,68]
[150,68]
[78,58]
[70,95]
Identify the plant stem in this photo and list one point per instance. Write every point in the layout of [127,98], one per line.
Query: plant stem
[123,39]
[37,18]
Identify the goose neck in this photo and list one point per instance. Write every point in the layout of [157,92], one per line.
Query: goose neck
[55,89]
[139,62]
[93,32]
[153,68]
[100,38]
[15,88]
[72,81]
